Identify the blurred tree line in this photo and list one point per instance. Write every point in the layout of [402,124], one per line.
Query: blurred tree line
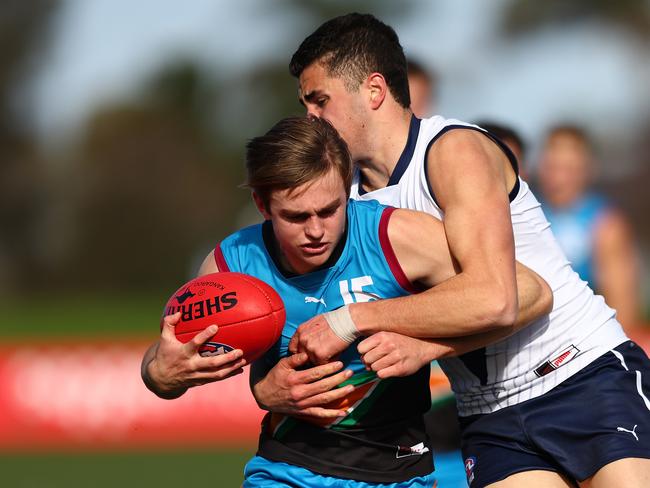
[151,183]
[23,183]
[145,185]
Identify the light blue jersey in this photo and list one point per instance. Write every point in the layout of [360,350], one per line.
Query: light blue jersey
[574,228]
[361,273]
[382,439]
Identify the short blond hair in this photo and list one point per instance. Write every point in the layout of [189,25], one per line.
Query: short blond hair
[295,151]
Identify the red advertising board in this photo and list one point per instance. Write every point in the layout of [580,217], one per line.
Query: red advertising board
[91,395]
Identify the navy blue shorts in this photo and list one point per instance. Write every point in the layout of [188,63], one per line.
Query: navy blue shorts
[599,415]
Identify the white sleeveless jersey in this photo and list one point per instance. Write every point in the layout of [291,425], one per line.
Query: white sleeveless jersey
[580,328]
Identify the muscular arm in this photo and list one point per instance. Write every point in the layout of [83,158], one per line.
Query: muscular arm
[432,267]
[393,354]
[470,177]
[419,244]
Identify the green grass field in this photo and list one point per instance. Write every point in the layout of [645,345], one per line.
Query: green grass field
[81,315]
[93,316]
[218,469]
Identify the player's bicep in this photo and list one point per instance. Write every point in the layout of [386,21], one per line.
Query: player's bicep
[469,181]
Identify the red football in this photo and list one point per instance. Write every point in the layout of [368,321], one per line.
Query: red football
[250,314]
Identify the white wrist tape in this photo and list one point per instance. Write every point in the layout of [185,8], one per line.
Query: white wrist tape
[341,323]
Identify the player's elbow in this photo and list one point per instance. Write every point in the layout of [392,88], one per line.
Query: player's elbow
[546,298]
[502,309]
[541,305]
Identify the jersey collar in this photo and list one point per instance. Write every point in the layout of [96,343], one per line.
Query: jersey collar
[406,156]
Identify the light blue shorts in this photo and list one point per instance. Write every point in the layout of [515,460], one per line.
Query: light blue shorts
[450,469]
[262,473]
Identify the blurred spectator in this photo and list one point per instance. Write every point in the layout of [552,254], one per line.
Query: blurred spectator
[595,235]
[511,139]
[422,84]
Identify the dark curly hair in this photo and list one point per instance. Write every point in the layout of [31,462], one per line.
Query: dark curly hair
[352,47]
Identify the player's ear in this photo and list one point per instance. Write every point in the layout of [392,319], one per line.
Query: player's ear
[261,207]
[377,89]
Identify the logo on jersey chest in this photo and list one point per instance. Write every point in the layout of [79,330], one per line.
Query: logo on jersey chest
[316,300]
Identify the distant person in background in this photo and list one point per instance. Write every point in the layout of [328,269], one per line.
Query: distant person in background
[511,139]
[422,86]
[595,236]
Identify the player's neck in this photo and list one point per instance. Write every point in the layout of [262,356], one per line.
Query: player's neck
[388,141]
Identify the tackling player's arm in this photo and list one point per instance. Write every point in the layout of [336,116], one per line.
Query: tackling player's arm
[470,177]
[430,266]
[393,354]
[170,367]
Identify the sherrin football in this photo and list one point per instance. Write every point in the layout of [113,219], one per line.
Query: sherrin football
[250,314]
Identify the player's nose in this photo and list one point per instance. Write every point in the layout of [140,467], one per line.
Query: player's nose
[313,110]
[314,228]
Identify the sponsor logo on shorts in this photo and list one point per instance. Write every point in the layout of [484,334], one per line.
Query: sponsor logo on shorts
[470,463]
[621,429]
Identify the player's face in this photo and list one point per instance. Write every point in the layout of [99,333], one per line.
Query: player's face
[309,221]
[329,98]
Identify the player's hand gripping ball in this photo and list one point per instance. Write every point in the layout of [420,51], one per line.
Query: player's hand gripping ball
[250,314]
